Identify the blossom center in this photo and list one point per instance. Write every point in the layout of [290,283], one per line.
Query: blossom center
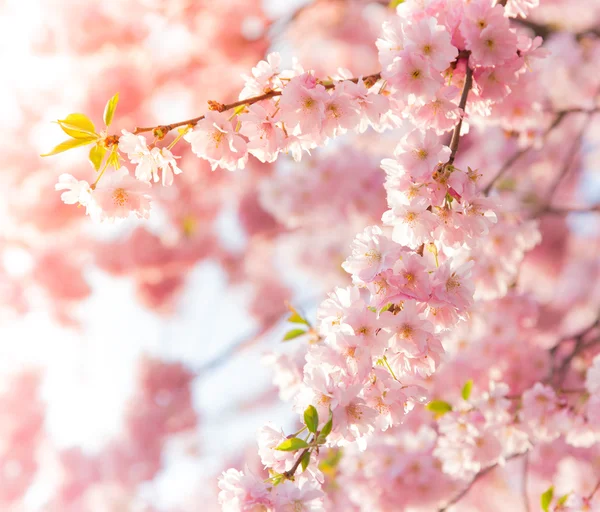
[452,283]
[354,412]
[373,256]
[217,137]
[120,196]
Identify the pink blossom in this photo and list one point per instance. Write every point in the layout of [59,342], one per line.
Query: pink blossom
[303,497]
[412,225]
[493,46]
[431,42]
[265,136]
[440,113]
[303,104]
[419,152]
[453,286]
[372,252]
[77,191]
[413,75]
[215,139]
[243,492]
[269,438]
[341,113]
[118,194]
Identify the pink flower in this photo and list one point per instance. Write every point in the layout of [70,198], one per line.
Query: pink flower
[540,405]
[77,191]
[493,46]
[298,497]
[303,105]
[149,161]
[264,77]
[411,74]
[341,114]
[440,114]
[268,439]
[118,194]
[391,44]
[243,492]
[431,42]
[265,136]
[371,105]
[353,420]
[419,152]
[410,276]
[372,252]
[408,330]
[413,225]
[521,8]
[453,286]
[214,138]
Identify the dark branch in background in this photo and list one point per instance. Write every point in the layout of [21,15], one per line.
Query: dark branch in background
[477,477]
[546,30]
[558,119]
[247,340]
[579,339]
[564,210]
[570,158]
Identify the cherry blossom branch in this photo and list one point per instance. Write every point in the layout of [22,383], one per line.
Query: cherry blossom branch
[462,105]
[161,130]
[473,481]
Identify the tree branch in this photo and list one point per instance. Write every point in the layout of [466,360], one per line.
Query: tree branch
[161,130]
[462,105]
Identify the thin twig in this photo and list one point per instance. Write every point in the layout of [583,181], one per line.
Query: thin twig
[570,158]
[477,477]
[517,156]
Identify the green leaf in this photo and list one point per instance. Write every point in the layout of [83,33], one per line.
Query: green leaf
[305,460]
[69,144]
[78,126]
[546,499]
[109,109]
[386,307]
[326,430]
[295,318]
[439,407]
[291,445]
[563,499]
[331,461]
[97,155]
[113,160]
[466,390]
[294,333]
[311,419]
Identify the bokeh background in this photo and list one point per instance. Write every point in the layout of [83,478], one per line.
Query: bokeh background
[136,358]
